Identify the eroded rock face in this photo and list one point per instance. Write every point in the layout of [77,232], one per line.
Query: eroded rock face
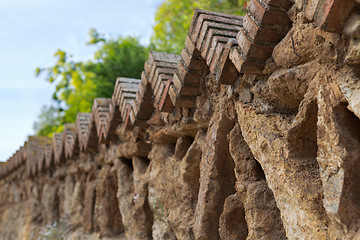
[264,134]
[338,154]
[216,176]
[89,203]
[232,220]
[261,215]
[50,201]
[270,156]
[110,221]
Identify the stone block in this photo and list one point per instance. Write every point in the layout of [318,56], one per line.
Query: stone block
[58,148]
[311,8]
[165,104]
[217,45]
[267,15]
[333,14]
[102,117]
[285,4]
[352,26]
[225,71]
[210,30]
[261,34]
[70,141]
[201,16]
[242,66]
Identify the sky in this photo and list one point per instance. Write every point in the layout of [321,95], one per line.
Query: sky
[31,32]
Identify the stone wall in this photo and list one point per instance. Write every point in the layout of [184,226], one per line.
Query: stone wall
[252,133]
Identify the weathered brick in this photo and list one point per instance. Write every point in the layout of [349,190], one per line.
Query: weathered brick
[201,16]
[49,155]
[252,50]
[159,87]
[131,114]
[163,67]
[82,128]
[186,102]
[142,85]
[158,67]
[191,78]
[267,16]
[261,34]
[101,113]
[352,26]
[127,122]
[147,69]
[223,30]
[144,103]
[124,110]
[333,14]
[125,85]
[10,164]
[219,48]
[311,8]
[115,120]
[196,64]
[58,148]
[177,83]
[165,104]
[172,94]
[31,147]
[217,45]
[225,71]
[158,94]
[278,3]
[157,72]
[162,57]
[162,78]
[208,34]
[125,98]
[251,67]
[226,34]
[182,89]
[70,141]
[190,46]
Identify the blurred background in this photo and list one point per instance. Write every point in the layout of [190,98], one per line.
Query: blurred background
[57,56]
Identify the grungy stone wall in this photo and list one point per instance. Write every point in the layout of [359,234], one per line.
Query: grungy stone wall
[252,133]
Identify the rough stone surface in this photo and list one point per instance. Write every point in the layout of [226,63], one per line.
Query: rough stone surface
[260,211]
[216,163]
[294,48]
[232,220]
[272,155]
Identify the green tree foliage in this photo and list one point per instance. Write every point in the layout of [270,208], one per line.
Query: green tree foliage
[78,83]
[49,121]
[173,19]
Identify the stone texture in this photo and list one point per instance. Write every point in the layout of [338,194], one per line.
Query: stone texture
[260,215]
[109,216]
[352,26]
[265,132]
[89,203]
[333,14]
[352,57]
[338,171]
[232,220]
[294,48]
[50,201]
[216,163]
[273,154]
[349,85]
